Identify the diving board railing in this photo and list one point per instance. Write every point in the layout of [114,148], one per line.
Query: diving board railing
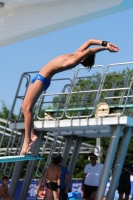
[66,98]
[12,139]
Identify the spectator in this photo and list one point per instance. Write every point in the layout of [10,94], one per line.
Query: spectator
[124,186]
[52,180]
[4,189]
[91,177]
[41,190]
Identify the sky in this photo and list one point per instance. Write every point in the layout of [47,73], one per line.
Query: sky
[33,54]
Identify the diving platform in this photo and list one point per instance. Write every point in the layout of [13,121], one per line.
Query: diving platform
[91,127]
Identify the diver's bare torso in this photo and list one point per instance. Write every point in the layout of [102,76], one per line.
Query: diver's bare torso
[59,64]
[53,173]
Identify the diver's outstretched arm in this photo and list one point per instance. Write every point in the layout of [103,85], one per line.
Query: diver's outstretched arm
[94,42]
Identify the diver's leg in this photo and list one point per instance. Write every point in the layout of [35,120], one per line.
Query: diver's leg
[30,99]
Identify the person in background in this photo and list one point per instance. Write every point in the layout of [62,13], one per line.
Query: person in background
[91,177]
[40,189]
[124,186]
[4,189]
[51,180]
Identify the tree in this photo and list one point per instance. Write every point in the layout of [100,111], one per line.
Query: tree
[4,111]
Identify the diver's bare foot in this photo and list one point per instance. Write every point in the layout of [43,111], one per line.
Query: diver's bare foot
[26,147]
[34,138]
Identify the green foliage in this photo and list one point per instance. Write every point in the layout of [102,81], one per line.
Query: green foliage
[5,112]
[130,151]
[82,160]
[80,164]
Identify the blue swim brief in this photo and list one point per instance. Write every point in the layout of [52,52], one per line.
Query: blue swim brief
[42,79]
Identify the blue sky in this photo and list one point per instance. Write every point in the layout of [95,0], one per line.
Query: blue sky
[33,54]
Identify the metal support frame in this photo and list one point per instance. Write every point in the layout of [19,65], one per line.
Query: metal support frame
[108,162]
[66,150]
[119,163]
[16,174]
[74,156]
[15,179]
[98,143]
[30,170]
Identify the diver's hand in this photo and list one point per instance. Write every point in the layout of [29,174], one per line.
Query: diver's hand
[112,47]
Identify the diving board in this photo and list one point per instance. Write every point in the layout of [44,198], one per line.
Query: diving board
[6,159]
